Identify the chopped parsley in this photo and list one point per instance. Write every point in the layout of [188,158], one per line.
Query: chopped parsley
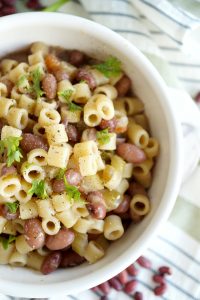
[67,95]
[36,77]
[11,144]
[12,207]
[60,174]
[39,189]
[23,81]
[6,241]
[103,137]
[74,107]
[111,67]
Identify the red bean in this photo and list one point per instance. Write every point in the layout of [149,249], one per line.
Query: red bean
[158,278]
[110,124]
[132,270]
[197,98]
[104,298]
[95,289]
[58,186]
[71,259]
[34,233]
[165,270]
[76,57]
[105,288]
[49,85]
[123,86]
[136,188]
[51,262]
[97,210]
[144,262]
[31,141]
[4,211]
[85,75]
[60,75]
[131,153]
[123,277]
[116,284]
[72,133]
[89,134]
[124,205]
[8,170]
[61,240]
[160,290]
[138,296]
[130,287]
[73,177]
[95,197]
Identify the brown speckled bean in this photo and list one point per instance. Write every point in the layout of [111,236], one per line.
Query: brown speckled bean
[4,211]
[131,153]
[124,205]
[51,262]
[84,74]
[8,170]
[61,240]
[71,259]
[97,210]
[72,133]
[73,177]
[61,74]
[95,197]
[58,186]
[34,233]
[110,124]
[136,188]
[31,141]
[76,58]
[49,85]
[123,86]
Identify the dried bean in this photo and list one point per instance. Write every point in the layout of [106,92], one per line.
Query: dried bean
[124,205]
[132,270]
[123,277]
[138,296]
[130,287]
[71,259]
[61,74]
[34,233]
[159,279]
[85,75]
[4,211]
[123,86]
[76,58]
[95,197]
[61,240]
[49,85]
[110,124]
[160,290]
[105,287]
[116,284]
[95,289]
[72,133]
[51,262]
[197,98]
[165,270]
[30,141]
[8,170]
[144,262]
[131,153]
[58,186]
[104,298]
[73,177]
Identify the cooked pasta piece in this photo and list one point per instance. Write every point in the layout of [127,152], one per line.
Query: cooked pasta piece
[80,243]
[144,179]
[137,135]
[35,58]
[70,116]
[60,202]
[17,259]
[58,156]
[39,46]
[32,172]
[17,72]
[82,225]
[41,103]
[8,131]
[91,116]
[143,168]
[3,90]
[92,183]
[21,245]
[7,65]
[9,228]
[23,196]
[111,177]
[5,254]
[17,117]
[27,103]
[45,208]
[64,87]
[48,117]
[104,107]
[2,223]
[99,78]
[152,148]
[85,149]
[108,90]
[140,205]
[82,92]
[96,227]
[111,145]
[123,186]
[56,134]
[19,225]
[142,120]
[113,228]
[37,157]
[68,217]
[87,165]
[9,185]
[93,252]
[28,210]
[50,225]
[35,260]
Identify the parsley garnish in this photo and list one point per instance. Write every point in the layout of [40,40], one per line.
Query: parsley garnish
[13,150]
[12,207]
[73,107]
[110,68]
[36,77]
[6,241]
[67,95]
[103,136]
[72,191]
[39,189]
[60,174]
[23,81]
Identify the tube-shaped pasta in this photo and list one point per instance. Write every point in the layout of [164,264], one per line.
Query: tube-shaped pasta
[17,72]
[143,168]
[118,163]
[107,90]
[111,145]
[93,252]
[51,225]
[85,148]
[21,245]
[123,186]
[58,156]
[79,243]
[142,120]
[140,205]
[112,199]
[43,251]
[9,185]
[17,259]
[65,86]
[35,58]
[8,131]
[113,228]
[82,92]
[22,195]
[60,202]
[38,67]
[6,253]
[45,208]
[99,77]
[81,209]
[152,148]
[27,103]
[15,94]
[138,135]
[111,177]
[56,134]
[87,165]
[35,260]
[96,227]
[9,228]
[39,46]
[28,210]
[48,117]
[144,179]
[104,106]
[37,157]
[128,170]
[41,103]
[2,223]
[91,183]
[17,117]
[32,172]
[3,90]
[68,217]
[132,105]
[7,65]
[19,225]
[119,107]
[82,225]
[91,116]
[39,130]
[70,116]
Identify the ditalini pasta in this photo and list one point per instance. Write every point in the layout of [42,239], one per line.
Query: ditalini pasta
[76,157]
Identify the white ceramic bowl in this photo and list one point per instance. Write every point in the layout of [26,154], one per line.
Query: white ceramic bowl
[73,32]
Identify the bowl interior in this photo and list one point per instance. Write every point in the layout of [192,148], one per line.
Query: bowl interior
[71,32]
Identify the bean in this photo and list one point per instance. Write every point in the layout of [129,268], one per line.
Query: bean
[89,134]
[51,262]
[34,233]
[4,211]
[105,288]
[120,140]
[104,298]
[76,57]
[73,177]
[49,85]
[8,84]
[138,296]
[159,279]
[136,188]
[116,284]
[58,186]
[8,170]
[123,277]
[131,153]
[123,86]
[72,133]
[95,289]
[61,240]
[144,262]
[124,205]
[110,124]
[95,197]
[132,270]
[84,74]
[165,270]
[52,62]
[160,290]
[31,141]
[135,217]
[130,287]
[97,210]
[71,259]
[197,97]
[61,74]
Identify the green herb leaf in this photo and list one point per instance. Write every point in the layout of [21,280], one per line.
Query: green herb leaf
[61,173]
[23,81]
[110,68]
[36,77]
[73,192]
[103,137]
[67,95]
[39,189]
[55,6]
[13,150]
[12,207]
[74,107]
[6,241]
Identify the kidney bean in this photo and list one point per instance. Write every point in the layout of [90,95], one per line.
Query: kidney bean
[131,153]
[132,270]
[52,62]
[76,57]
[197,98]
[71,259]
[104,298]
[123,86]
[160,290]
[8,170]
[105,288]
[116,284]
[110,124]
[51,262]
[124,205]
[58,186]
[31,141]
[138,296]
[34,233]
[49,85]
[4,211]
[136,188]
[72,133]
[123,277]
[144,262]
[73,177]
[130,287]
[84,74]
[95,289]
[165,270]
[60,75]
[95,197]
[97,210]
[135,217]
[158,278]
[89,134]
[61,240]
[8,84]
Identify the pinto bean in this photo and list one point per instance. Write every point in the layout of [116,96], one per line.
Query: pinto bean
[76,57]
[136,188]
[123,86]
[110,124]
[95,197]
[124,205]
[58,186]
[49,85]
[8,170]
[61,240]
[31,141]
[97,210]
[8,84]
[34,233]
[73,177]
[72,133]
[61,74]
[71,259]
[131,153]
[89,134]
[84,74]
[51,262]
[52,62]
[4,211]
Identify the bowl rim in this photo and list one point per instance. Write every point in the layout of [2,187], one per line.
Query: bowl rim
[174,175]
